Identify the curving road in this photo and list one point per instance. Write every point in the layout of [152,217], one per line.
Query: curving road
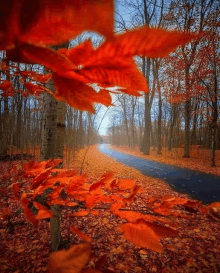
[198,185]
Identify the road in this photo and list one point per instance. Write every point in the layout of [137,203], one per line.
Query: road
[198,185]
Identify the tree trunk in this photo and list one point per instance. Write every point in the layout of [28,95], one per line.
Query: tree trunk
[172,122]
[146,139]
[187,116]
[48,144]
[60,130]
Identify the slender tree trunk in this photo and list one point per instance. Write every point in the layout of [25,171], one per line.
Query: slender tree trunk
[172,122]
[48,151]
[60,130]
[48,144]
[6,128]
[146,139]
[214,117]
[187,116]
[159,137]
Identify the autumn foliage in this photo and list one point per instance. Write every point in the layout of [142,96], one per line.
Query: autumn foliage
[27,30]
[83,196]
[26,39]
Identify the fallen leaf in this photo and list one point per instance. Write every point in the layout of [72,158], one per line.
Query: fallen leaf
[69,261]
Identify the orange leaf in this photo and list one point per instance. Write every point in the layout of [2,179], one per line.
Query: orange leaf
[5,85]
[161,231]
[80,213]
[142,235]
[42,78]
[75,93]
[51,163]
[30,217]
[126,184]
[39,206]
[170,202]
[43,55]
[52,23]
[133,216]
[115,72]
[95,186]
[72,260]
[27,211]
[91,200]
[136,189]
[116,206]
[144,41]
[79,54]
[80,234]
[43,214]
[214,205]
[94,212]
[40,179]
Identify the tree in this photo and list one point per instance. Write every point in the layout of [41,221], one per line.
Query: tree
[26,39]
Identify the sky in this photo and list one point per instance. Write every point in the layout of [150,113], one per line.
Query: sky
[104,125]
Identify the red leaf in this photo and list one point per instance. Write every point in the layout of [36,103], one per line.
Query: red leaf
[52,163]
[214,205]
[136,189]
[80,234]
[170,201]
[116,206]
[161,231]
[5,85]
[27,211]
[94,212]
[145,41]
[126,184]
[142,235]
[45,56]
[72,260]
[57,23]
[43,214]
[42,78]
[80,213]
[75,93]
[115,72]
[95,186]
[134,216]
[92,200]
[52,23]
[40,179]
[30,217]
[79,54]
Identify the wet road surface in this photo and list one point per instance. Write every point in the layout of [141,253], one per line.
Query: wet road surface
[198,185]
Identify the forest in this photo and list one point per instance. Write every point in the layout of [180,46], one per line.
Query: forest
[141,76]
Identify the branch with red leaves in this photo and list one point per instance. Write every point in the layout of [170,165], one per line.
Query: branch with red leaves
[26,37]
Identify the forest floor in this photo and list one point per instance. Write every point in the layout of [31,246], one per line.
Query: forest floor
[195,249]
[200,159]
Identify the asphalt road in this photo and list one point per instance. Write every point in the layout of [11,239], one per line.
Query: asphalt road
[198,185]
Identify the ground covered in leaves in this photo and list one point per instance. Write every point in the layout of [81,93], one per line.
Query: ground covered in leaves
[25,248]
[200,159]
